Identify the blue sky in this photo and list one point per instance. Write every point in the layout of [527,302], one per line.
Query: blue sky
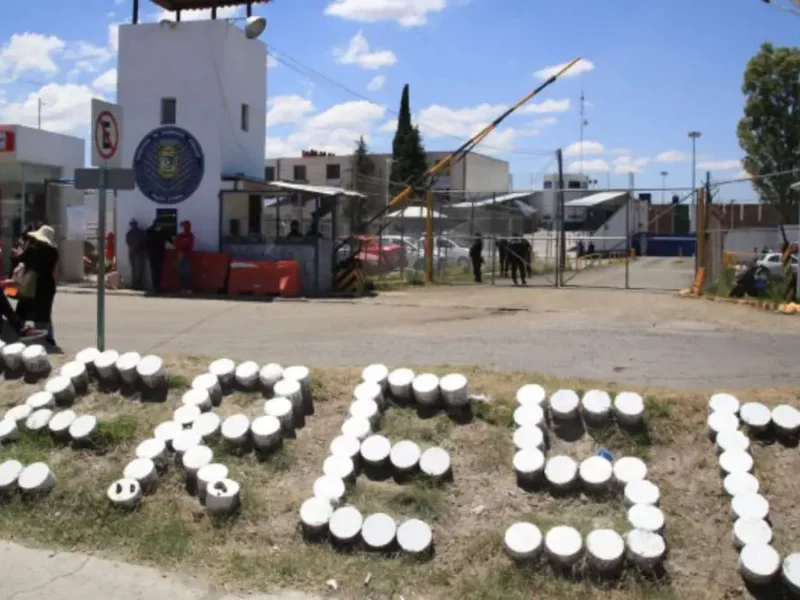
[659,70]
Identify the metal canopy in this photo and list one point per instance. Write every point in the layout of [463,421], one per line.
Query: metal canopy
[595,199]
[236,183]
[174,5]
[493,201]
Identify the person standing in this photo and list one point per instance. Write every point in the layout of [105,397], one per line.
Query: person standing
[476,256]
[156,248]
[184,245]
[503,246]
[136,239]
[40,258]
[516,258]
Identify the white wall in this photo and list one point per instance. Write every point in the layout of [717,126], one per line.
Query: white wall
[41,147]
[611,235]
[745,240]
[210,68]
[486,174]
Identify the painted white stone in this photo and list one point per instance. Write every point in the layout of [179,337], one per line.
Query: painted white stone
[357,427]
[345,445]
[36,478]
[740,482]
[38,419]
[269,375]
[561,471]
[196,458]
[751,531]
[18,414]
[77,372]
[455,390]
[211,384]
[646,517]
[87,357]
[302,375]
[330,489]
[224,369]
[83,427]
[12,355]
[167,431]
[375,450]
[9,431]
[405,455]
[235,429]
[207,425]
[735,461]
[759,563]
[208,474]
[721,421]
[35,359]
[786,419]
[414,536]
[62,389]
[723,402]
[749,506]
[596,405]
[366,409]
[10,471]
[293,391]
[564,404]
[790,572]
[126,366]
[426,389]
[184,440]
[529,464]
[315,514]
[266,431]
[629,408]
[338,466]
[60,423]
[644,548]
[731,439]
[529,415]
[595,473]
[345,523]
[369,390]
[282,409]
[376,373]
[564,545]
[378,531]
[154,449]
[400,382]
[755,415]
[198,397]
[152,372]
[642,492]
[531,393]
[529,436]
[605,549]
[435,462]
[41,399]
[125,493]
[523,541]
[246,374]
[222,497]
[186,414]
[106,364]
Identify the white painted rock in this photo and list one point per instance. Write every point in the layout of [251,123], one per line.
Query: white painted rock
[375,450]
[77,372]
[369,390]
[529,415]
[376,373]
[83,428]
[595,473]
[301,375]
[721,421]
[786,420]
[529,436]
[154,449]
[339,467]
[723,402]
[735,461]
[222,497]
[751,531]
[9,431]
[356,427]
[198,397]
[366,409]
[167,431]
[207,425]
[209,474]
[347,446]
[224,369]
[196,458]
[642,492]
[152,372]
[12,356]
[455,390]
[414,537]
[379,531]
[732,440]
[345,524]
[41,399]
[38,419]
[405,456]
[645,549]
[523,541]
[400,382]
[10,471]
[126,366]
[106,364]
[36,478]
[282,409]
[315,514]
[62,389]
[531,393]
[426,389]
[60,423]
[629,408]
[211,384]
[596,405]
[529,464]
[435,463]
[186,414]
[790,572]
[125,493]
[564,404]
[561,471]
[18,414]
[246,375]
[266,431]
[564,545]
[759,563]
[35,359]
[605,549]
[235,429]
[185,440]
[330,489]
[755,415]
[740,482]
[291,390]
[646,517]
[269,375]
[87,357]
[749,506]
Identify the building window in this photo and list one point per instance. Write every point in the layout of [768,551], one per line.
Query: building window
[548,185]
[169,111]
[233,228]
[574,185]
[299,172]
[332,171]
[245,117]
[254,204]
[269,173]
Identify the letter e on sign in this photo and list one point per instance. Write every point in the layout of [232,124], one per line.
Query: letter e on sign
[106,134]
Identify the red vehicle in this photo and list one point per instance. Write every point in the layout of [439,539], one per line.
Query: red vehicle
[373,255]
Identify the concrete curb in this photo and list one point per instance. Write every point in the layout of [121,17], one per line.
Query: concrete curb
[768,306]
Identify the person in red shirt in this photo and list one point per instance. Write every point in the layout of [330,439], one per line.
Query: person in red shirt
[184,245]
[111,250]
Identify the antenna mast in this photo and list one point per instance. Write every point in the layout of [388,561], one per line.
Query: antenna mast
[584,123]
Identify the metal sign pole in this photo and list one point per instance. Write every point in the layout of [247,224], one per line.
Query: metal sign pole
[101,260]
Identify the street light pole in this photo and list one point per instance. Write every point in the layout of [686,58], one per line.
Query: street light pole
[694,135]
[663,186]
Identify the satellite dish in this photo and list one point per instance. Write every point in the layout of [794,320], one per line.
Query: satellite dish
[255,27]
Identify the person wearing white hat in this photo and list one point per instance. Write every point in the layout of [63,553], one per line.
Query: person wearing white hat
[38,261]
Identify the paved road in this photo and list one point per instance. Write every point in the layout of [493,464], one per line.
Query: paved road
[627,336]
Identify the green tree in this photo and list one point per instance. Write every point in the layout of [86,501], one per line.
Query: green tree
[769,132]
[363,181]
[409,161]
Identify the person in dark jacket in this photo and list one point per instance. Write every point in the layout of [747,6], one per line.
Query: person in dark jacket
[136,240]
[502,255]
[40,256]
[294,230]
[476,257]
[157,240]
[518,250]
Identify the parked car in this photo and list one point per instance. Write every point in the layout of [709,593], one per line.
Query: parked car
[412,252]
[374,255]
[772,264]
[447,252]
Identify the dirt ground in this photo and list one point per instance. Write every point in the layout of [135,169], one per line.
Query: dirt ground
[263,550]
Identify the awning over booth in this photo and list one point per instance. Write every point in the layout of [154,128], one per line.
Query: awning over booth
[237,183]
[595,200]
[494,201]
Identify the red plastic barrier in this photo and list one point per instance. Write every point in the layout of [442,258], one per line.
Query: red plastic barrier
[209,271]
[264,278]
[170,278]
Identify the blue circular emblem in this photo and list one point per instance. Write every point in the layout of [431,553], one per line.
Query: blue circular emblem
[168,165]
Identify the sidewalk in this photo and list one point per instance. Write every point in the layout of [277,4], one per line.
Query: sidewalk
[44,574]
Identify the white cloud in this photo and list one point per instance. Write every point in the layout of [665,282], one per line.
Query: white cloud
[673,156]
[88,57]
[30,53]
[389,127]
[226,12]
[548,106]
[628,164]
[596,165]
[376,83]
[107,82]
[65,108]
[583,66]
[545,122]
[358,53]
[586,147]
[743,175]
[291,109]
[272,62]
[408,13]
[113,37]
[720,165]
[619,151]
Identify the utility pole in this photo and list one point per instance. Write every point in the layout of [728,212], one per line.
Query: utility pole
[584,123]
[561,253]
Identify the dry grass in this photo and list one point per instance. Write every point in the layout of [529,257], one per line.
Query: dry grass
[262,549]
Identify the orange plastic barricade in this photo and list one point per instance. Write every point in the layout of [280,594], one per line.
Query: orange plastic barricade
[209,271]
[289,278]
[263,278]
[170,278]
